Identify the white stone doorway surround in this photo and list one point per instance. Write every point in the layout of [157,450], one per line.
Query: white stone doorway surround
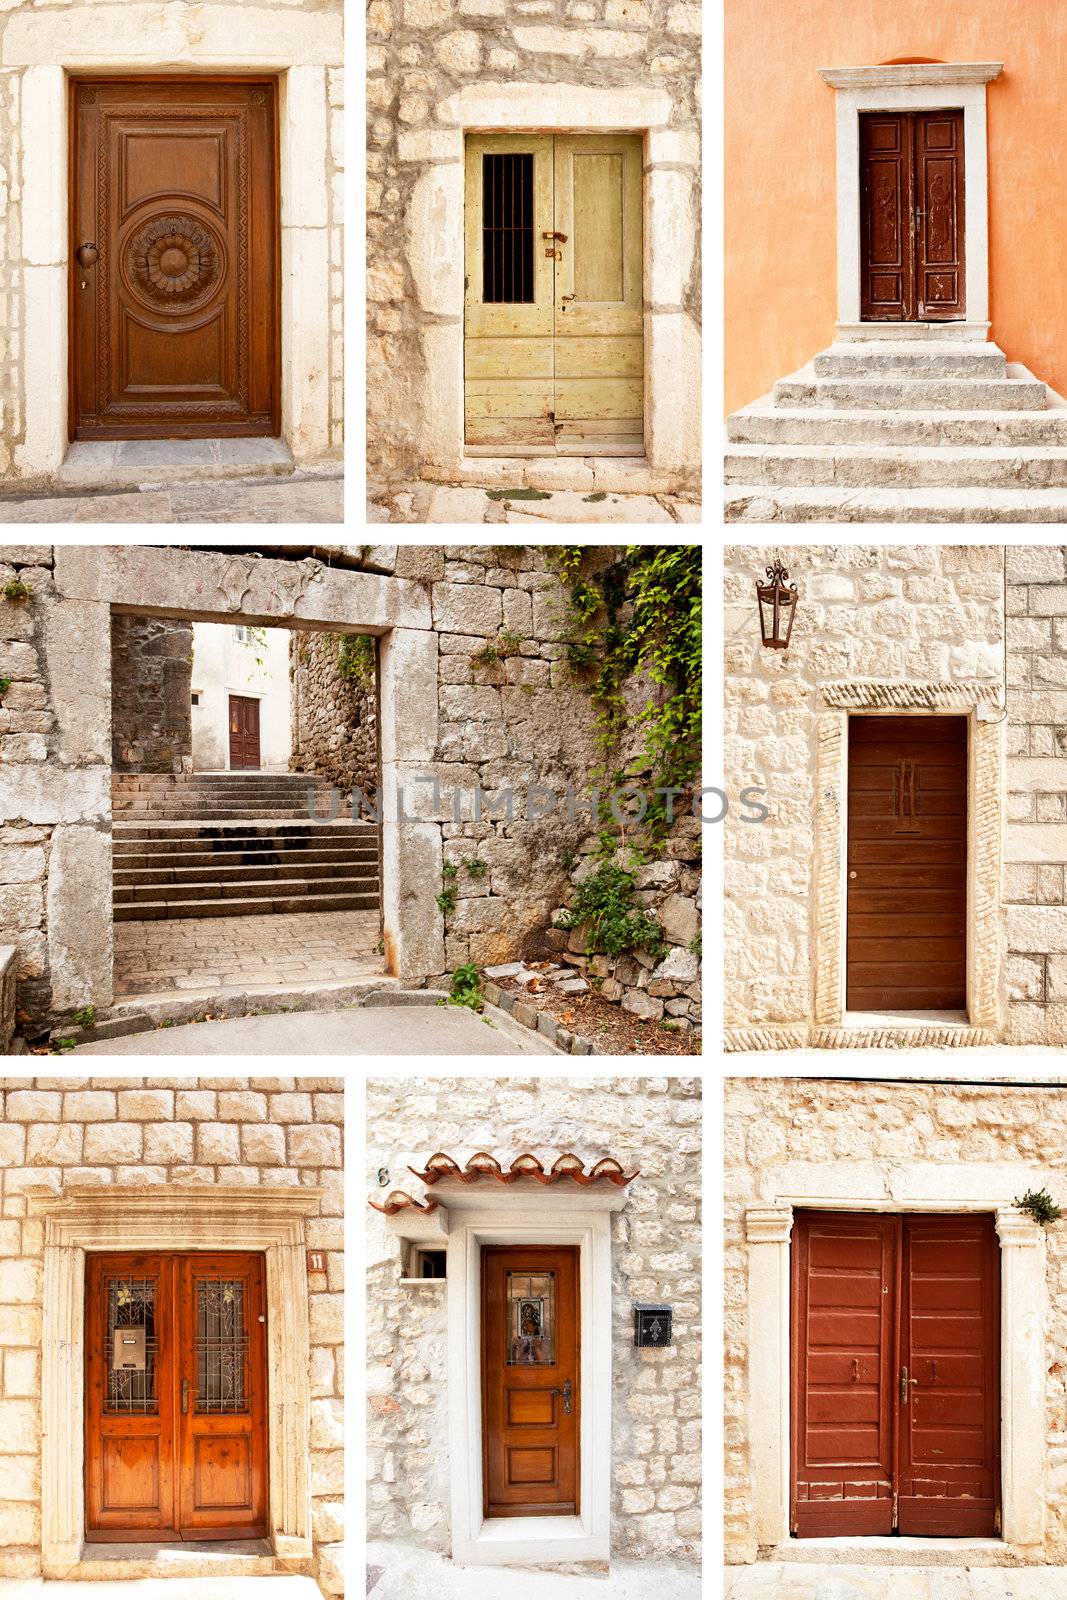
[93,580]
[923,86]
[516,1216]
[144,38]
[435,228]
[193,1217]
[905,1187]
[985,747]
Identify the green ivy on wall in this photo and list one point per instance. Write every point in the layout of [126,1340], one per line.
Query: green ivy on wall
[356,658]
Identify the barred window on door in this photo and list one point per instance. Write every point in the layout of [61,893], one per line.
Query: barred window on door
[508,229]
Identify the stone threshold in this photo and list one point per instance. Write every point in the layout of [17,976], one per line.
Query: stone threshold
[136,463]
[928,1036]
[897,1551]
[933,332]
[235,1558]
[585,474]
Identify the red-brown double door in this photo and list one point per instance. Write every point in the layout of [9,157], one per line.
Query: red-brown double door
[175,1397]
[895,1380]
[244,733]
[912,221]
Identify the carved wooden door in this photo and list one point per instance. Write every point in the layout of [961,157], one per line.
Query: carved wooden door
[244,733]
[174,252]
[907,864]
[530,1380]
[175,1397]
[553,348]
[912,216]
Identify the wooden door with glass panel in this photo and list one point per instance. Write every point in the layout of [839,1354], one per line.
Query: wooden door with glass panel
[530,1380]
[175,1397]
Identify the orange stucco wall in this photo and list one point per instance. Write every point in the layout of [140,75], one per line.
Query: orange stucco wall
[781,248]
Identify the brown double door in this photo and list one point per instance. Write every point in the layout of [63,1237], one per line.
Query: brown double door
[907,864]
[175,1407]
[174,258]
[530,1380]
[244,732]
[912,221]
[895,1382]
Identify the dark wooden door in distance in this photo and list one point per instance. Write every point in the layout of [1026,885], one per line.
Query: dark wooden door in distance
[895,1376]
[530,1380]
[174,320]
[949,1443]
[175,1397]
[907,864]
[244,732]
[912,219]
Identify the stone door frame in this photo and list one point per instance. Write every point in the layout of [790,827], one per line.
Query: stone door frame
[925,86]
[835,703]
[436,244]
[517,1217]
[79,42]
[162,1217]
[93,580]
[912,1187]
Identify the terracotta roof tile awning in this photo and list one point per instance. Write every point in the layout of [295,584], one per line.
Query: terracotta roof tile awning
[565,1167]
[399,1200]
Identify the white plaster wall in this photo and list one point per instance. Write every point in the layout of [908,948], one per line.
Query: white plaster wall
[223,665]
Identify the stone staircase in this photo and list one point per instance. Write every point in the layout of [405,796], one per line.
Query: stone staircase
[901,430]
[230,845]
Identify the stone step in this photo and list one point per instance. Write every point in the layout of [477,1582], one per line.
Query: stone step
[194,860]
[267,886]
[268,905]
[144,877]
[886,466]
[247,828]
[760,503]
[765,423]
[912,360]
[152,780]
[1020,391]
[215,813]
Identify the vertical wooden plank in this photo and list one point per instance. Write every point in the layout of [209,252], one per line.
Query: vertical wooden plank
[597,243]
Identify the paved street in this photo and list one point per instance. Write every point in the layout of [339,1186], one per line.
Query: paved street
[401,1572]
[462,504]
[363,1031]
[771,1580]
[272,500]
[276,1587]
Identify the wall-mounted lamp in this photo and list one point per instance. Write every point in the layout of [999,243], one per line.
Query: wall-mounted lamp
[777,607]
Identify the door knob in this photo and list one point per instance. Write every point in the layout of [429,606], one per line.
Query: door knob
[87,254]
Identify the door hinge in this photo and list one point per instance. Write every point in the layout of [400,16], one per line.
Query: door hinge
[895,1499]
[996,1521]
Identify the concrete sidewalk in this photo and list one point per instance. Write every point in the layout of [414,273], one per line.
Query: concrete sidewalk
[389,1030]
[787,1580]
[286,500]
[402,1572]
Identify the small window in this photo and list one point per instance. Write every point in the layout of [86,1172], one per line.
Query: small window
[507,229]
[241,635]
[196,698]
[431,1263]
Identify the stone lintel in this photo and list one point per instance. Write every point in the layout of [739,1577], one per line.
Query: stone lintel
[912,74]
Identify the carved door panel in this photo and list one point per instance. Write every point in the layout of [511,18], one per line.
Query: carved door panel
[174,259]
[175,1397]
[244,733]
[530,1380]
[912,219]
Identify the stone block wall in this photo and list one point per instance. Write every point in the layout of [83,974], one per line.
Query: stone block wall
[421,54]
[334,718]
[900,614]
[151,694]
[772,1124]
[653,1123]
[134,1131]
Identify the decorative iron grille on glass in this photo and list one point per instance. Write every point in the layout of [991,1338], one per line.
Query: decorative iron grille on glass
[221,1346]
[131,1303]
[507,229]
[531,1321]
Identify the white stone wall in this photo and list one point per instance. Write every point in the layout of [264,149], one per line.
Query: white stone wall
[775,1124]
[134,1131]
[649,1123]
[900,614]
[225,665]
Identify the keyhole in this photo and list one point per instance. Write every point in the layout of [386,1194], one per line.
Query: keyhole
[84,284]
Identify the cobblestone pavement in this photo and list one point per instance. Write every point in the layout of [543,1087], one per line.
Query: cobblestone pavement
[190,954]
[402,1572]
[274,500]
[771,1580]
[463,504]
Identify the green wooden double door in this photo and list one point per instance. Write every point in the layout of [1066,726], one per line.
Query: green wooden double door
[553,347]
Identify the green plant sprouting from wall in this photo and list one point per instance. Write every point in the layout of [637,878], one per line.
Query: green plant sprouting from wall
[356,656]
[1040,1205]
[17,590]
[615,923]
[466,988]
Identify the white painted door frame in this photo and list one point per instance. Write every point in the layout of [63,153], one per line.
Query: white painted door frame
[924,86]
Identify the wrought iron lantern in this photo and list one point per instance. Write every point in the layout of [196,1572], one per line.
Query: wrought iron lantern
[777,607]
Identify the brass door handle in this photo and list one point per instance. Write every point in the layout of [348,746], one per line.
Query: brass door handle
[88,254]
[904,1381]
[185,1395]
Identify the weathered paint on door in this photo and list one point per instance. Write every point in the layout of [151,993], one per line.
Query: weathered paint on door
[895,1377]
[907,864]
[912,216]
[558,365]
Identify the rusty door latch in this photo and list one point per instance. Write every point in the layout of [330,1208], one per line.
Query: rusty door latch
[552,253]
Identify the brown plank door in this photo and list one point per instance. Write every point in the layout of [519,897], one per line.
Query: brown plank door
[174,258]
[907,864]
[912,219]
[244,733]
[949,1445]
[530,1380]
[175,1397]
[844,1274]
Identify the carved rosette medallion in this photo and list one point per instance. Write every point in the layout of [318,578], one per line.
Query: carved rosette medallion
[174,263]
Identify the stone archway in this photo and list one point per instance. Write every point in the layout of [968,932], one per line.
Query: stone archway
[93,582]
